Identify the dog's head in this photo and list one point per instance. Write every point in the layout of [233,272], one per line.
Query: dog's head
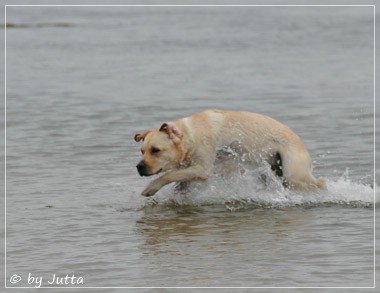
[160,149]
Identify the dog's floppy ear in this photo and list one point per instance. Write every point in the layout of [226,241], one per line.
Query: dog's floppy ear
[139,136]
[174,133]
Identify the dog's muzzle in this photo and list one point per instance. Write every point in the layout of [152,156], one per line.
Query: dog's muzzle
[142,168]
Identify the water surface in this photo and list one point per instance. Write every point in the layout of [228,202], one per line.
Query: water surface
[81,81]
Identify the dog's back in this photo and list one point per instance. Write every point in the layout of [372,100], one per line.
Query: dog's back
[257,136]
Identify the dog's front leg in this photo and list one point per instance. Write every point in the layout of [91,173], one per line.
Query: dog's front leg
[191,173]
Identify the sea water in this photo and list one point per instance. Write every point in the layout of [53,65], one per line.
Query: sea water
[81,81]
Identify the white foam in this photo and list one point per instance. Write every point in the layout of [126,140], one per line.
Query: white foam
[247,190]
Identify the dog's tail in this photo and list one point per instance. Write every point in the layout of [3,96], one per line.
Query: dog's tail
[321,183]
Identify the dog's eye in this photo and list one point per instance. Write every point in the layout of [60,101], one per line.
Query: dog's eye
[154,150]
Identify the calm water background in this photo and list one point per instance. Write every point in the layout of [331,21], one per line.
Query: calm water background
[81,81]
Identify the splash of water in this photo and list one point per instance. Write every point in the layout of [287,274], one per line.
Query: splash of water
[249,190]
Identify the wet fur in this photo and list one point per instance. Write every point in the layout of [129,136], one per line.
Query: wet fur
[188,148]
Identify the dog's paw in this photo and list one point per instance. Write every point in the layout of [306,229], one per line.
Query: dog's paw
[150,190]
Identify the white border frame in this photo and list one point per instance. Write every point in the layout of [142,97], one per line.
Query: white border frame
[176,5]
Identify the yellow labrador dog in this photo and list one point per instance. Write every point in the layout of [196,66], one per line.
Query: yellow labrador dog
[186,148]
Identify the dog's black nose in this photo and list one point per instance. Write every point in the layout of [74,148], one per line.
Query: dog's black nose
[141,168]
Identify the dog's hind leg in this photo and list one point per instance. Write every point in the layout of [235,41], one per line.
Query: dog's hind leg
[297,170]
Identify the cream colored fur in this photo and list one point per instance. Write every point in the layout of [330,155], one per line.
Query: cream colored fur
[187,147]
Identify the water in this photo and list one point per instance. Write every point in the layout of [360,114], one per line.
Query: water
[81,81]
